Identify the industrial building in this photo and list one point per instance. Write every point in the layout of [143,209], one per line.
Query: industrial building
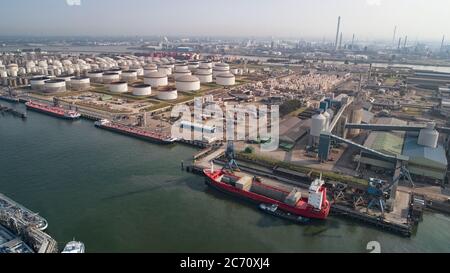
[292,130]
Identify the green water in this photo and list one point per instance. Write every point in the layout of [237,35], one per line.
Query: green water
[119,194]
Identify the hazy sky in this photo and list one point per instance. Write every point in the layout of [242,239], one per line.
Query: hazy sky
[419,19]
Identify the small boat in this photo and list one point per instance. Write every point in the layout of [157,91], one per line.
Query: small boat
[74,247]
[273,210]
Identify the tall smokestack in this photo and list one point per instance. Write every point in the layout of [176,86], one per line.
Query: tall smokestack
[442,43]
[340,41]
[337,33]
[406,40]
[399,43]
[395,34]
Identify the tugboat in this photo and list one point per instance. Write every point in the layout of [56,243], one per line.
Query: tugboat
[273,210]
[74,247]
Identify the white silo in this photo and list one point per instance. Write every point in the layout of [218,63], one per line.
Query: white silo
[80,83]
[328,119]
[168,93]
[317,125]
[429,136]
[129,75]
[225,79]
[204,75]
[181,73]
[142,90]
[156,79]
[110,77]
[118,87]
[187,83]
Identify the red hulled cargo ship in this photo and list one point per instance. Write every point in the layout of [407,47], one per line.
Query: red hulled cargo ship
[135,132]
[315,206]
[52,110]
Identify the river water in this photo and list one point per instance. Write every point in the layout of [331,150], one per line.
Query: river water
[119,194]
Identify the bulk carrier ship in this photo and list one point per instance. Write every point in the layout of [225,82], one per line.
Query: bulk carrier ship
[315,206]
[135,132]
[53,110]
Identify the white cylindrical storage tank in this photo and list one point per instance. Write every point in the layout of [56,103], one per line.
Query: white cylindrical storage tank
[55,86]
[118,87]
[193,66]
[168,93]
[96,76]
[156,79]
[142,89]
[38,83]
[148,71]
[205,64]
[139,71]
[129,75]
[225,79]
[80,83]
[181,67]
[181,73]
[429,136]
[110,77]
[234,71]
[116,70]
[204,75]
[187,83]
[220,68]
[166,69]
[317,125]
[3,74]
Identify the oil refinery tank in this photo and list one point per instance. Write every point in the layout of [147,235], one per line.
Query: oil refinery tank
[225,79]
[55,86]
[187,83]
[118,87]
[150,69]
[181,67]
[205,65]
[116,70]
[204,75]
[429,136]
[166,69]
[142,89]
[38,83]
[96,76]
[357,115]
[317,125]
[129,75]
[193,65]
[168,93]
[110,77]
[220,68]
[181,73]
[80,83]
[156,79]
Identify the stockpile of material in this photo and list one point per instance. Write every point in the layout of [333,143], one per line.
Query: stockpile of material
[293,198]
[245,183]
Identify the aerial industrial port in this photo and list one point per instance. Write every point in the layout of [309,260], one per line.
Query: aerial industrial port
[364,132]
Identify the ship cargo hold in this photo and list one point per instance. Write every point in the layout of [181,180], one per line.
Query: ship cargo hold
[53,110]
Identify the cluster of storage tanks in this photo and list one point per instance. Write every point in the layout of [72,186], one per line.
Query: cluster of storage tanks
[53,75]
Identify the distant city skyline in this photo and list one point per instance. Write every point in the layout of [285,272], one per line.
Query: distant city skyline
[307,19]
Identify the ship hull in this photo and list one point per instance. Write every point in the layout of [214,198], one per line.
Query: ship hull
[126,133]
[13,100]
[258,199]
[51,113]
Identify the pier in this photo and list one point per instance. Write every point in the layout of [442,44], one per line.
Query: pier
[12,111]
[22,230]
[397,221]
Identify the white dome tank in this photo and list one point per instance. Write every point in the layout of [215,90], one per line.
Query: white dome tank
[156,79]
[429,137]
[118,87]
[142,90]
[187,83]
[317,125]
[168,93]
